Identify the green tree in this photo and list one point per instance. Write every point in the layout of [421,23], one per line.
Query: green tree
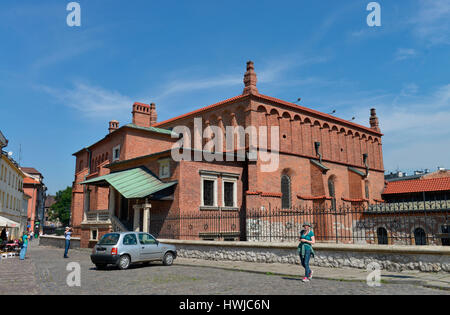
[61,209]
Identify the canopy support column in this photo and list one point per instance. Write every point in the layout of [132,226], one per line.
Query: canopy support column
[137,218]
[146,226]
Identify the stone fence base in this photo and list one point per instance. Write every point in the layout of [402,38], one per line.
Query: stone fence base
[58,241]
[389,257]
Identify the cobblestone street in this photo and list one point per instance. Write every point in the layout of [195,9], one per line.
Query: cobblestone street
[44,272]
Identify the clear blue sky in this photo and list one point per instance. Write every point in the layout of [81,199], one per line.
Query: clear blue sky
[59,86]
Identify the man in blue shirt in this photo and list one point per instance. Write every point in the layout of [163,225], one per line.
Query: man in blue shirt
[67,236]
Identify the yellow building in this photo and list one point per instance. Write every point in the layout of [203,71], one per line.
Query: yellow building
[13,201]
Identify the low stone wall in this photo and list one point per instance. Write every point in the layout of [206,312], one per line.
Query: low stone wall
[58,241]
[391,258]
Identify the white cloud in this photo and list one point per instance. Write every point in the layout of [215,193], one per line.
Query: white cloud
[91,101]
[432,21]
[405,53]
[414,122]
[268,72]
[415,127]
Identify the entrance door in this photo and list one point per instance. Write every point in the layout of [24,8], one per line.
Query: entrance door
[123,209]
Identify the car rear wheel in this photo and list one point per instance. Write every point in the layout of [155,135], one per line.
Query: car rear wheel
[124,262]
[168,259]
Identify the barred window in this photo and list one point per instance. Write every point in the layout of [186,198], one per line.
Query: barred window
[285,192]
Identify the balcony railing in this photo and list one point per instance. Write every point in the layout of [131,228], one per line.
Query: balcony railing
[98,216]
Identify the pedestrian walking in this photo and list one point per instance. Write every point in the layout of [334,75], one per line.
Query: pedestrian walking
[23,251]
[67,235]
[305,249]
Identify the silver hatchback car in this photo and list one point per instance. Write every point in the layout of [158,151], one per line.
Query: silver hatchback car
[125,248]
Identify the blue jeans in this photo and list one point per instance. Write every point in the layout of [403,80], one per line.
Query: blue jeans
[23,252]
[66,251]
[305,262]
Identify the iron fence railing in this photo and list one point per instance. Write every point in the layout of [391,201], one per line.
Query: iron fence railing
[406,223]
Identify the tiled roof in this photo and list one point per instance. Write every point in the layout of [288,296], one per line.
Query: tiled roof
[49,201]
[153,129]
[29,180]
[200,110]
[273,99]
[418,185]
[30,170]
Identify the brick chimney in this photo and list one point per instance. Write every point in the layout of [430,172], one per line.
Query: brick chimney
[141,114]
[153,114]
[250,79]
[113,125]
[374,124]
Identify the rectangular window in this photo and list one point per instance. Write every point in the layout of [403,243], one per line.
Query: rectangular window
[164,168]
[208,187]
[94,235]
[229,193]
[116,153]
[208,193]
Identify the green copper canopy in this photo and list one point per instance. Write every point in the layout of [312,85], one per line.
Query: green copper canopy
[133,183]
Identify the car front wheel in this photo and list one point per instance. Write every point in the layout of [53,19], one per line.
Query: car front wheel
[168,259]
[124,262]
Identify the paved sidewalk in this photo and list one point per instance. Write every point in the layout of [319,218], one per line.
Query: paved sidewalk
[425,279]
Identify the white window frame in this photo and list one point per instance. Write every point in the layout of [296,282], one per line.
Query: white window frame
[211,178]
[234,182]
[117,147]
[164,163]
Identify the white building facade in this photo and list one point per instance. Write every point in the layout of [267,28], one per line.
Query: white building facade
[13,201]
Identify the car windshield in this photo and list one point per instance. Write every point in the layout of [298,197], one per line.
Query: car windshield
[109,239]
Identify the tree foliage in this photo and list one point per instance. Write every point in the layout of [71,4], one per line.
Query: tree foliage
[61,209]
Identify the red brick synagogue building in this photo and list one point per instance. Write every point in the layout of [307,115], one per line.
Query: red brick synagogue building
[129,179]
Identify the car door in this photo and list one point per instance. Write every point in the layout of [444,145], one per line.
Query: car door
[149,247]
[130,246]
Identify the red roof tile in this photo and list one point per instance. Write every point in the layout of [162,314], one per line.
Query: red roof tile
[200,110]
[273,99]
[30,170]
[417,185]
[29,180]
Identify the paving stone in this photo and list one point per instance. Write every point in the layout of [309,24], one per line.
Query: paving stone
[45,273]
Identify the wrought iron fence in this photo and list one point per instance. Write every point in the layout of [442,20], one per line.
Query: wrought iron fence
[407,223]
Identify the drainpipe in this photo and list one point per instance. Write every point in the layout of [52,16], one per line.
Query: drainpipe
[365,156]
[317,146]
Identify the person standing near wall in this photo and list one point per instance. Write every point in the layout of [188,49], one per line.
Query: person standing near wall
[23,251]
[305,249]
[67,235]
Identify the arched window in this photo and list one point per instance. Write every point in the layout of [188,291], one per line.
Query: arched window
[420,237]
[286,192]
[332,191]
[382,236]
